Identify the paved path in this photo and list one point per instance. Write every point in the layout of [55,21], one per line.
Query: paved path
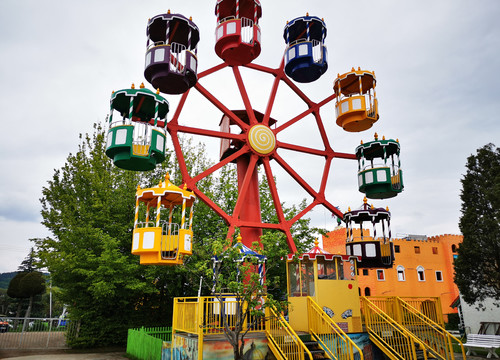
[99,356]
[66,355]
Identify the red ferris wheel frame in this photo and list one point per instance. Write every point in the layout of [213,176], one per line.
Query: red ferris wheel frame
[246,215]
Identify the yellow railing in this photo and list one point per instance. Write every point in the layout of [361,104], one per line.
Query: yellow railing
[282,340]
[207,315]
[203,316]
[433,335]
[396,181]
[429,306]
[389,336]
[141,150]
[332,338]
[186,315]
[422,318]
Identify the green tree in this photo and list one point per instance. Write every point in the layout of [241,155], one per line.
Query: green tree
[14,291]
[4,301]
[477,267]
[26,285]
[28,264]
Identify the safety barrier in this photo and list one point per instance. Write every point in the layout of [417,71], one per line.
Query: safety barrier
[147,343]
[36,333]
[209,315]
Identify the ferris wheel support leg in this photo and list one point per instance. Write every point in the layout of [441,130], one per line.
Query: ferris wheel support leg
[250,211]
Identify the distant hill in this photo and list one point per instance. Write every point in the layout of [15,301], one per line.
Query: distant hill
[5,279]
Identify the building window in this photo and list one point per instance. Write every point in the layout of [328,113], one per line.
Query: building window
[401,273]
[396,249]
[365,272]
[434,250]
[367,291]
[454,248]
[439,276]
[380,275]
[417,249]
[421,273]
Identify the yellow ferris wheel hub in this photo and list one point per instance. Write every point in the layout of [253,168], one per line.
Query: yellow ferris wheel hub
[261,139]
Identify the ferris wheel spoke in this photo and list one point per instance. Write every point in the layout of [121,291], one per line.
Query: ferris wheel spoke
[296,177]
[274,90]
[212,70]
[333,209]
[243,190]
[304,211]
[293,120]
[220,106]
[301,149]
[341,155]
[260,224]
[182,101]
[312,108]
[180,157]
[221,163]
[212,205]
[266,69]
[326,172]
[206,132]
[312,205]
[230,231]
[322,131]
[299,92]
[244,95]
[274,191]
[290,242]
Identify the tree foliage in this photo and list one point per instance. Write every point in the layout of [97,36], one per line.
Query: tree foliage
[26,285]
[28,264]
[477,266]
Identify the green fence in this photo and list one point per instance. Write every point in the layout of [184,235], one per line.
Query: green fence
[147,343]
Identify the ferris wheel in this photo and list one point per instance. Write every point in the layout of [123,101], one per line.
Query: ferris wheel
[250,137]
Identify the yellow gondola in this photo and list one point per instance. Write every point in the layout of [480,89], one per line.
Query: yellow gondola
[163,242]
[357,105]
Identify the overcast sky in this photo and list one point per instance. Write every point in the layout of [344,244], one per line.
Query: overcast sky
[436,64]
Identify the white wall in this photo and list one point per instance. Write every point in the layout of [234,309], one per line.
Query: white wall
[473,317]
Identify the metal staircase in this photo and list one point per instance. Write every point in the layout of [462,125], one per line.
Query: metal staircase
[324,340]
[283,341]
[402,331]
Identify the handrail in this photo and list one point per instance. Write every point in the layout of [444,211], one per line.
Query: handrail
[227,18]
[283,341]
[145,224]
[324,328]
[317,50]
[379,166]
[430,306]
[381,328]
[431,333]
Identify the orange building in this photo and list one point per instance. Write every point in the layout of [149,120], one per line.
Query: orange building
[423,266]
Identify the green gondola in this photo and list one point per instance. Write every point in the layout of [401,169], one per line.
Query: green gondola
[137,141]
[379,168]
